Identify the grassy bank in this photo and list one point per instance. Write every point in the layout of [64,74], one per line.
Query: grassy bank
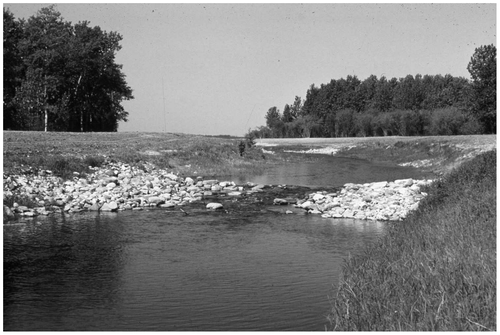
[434,271]
[65,153]
[439,154]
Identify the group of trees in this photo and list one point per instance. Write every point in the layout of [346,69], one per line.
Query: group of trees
[420,105]
[59,76]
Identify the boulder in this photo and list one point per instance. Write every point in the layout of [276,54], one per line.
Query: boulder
[214,205]
[258,187]
[381,184]
[156,200]
[167,204]
[318,197]
[7,213]
[94,207]
[306,204]
[279,201]
[110,186]
[109,206]
[404,182]
[216,188]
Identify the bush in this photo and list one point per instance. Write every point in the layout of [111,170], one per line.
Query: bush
[345,123]
[364,124]
[94,161]
[452,121]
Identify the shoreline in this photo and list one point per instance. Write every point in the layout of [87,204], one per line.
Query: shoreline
[116,186]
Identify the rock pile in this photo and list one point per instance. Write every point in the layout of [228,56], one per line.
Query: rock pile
[372,201]
[118,186]
[114,187]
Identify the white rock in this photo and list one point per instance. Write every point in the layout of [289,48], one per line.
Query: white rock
[404,182]
[214,205]
[306,204]
[381,184]
[318,197]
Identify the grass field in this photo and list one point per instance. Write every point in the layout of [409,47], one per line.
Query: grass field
[183,154]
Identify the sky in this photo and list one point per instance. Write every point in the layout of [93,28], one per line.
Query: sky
[216,69]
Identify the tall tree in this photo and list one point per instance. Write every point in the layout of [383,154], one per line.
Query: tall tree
[44,51]
[274,121]
[483,68]
[12,69]
[296,108]
[69,80]
[97,85]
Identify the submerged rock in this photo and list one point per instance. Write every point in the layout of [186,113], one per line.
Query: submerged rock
[279,201]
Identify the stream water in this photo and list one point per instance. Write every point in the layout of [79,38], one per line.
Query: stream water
[248,268]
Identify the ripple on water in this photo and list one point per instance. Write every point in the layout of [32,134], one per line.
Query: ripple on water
[159,270]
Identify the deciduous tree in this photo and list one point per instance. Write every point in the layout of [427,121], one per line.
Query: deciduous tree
[483,68]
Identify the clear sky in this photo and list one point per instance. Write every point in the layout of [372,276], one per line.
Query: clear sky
[217,68]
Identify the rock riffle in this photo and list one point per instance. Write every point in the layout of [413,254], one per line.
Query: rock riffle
[117,187]
[114,187]
[371,201]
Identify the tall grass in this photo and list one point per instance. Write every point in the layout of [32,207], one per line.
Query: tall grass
[434,271]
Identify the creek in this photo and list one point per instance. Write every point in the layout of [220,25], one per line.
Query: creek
[249,267]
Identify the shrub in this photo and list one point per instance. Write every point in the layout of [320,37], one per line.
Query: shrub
[94,161]
[65,166]
[345,123]
[364,124]
[452,121]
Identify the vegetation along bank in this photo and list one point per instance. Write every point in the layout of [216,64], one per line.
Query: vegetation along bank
[437,270]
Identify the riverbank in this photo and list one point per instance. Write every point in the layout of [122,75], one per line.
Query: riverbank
[439,154]
[437,270]
[47,173]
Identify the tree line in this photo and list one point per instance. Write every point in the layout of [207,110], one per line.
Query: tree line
[60,76]
[410,106]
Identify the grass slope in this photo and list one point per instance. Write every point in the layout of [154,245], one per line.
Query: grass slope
[434,271]
[191,155]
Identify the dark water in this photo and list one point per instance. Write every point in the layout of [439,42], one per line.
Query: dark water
[252,268]
[336,171]
[159,270]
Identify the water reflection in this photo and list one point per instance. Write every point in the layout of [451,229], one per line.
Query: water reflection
[59,265]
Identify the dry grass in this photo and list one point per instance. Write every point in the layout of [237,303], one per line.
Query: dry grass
[181,153]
